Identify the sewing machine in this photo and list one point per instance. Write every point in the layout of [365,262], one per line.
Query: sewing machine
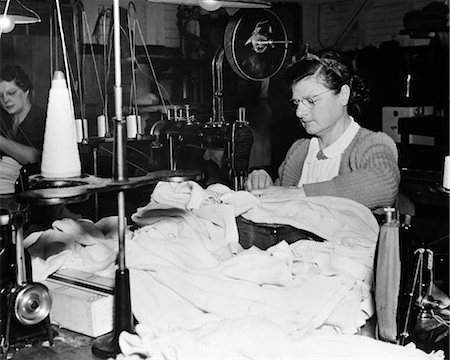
[25,305]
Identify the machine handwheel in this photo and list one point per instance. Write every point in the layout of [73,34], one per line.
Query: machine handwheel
[30,302]
[256,44]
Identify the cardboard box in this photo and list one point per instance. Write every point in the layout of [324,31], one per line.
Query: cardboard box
[86,280]
[86,311]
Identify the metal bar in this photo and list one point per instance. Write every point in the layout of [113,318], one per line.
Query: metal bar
[120,173]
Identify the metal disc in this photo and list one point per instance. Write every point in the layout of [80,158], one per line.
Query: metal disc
[31,303]
[256,44]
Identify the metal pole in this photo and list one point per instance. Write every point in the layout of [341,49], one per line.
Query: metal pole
[107,345]
[120,146]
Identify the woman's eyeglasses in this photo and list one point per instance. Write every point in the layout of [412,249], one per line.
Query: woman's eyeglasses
[9,93]
[309,102]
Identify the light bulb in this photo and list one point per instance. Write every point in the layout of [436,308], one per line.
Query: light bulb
[6,24]
[210,5]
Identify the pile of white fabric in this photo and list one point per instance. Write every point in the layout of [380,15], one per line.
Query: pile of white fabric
[188,269]
[197,294]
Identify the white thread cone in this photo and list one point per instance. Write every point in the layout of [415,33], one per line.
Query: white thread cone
[446,176]
[60,156]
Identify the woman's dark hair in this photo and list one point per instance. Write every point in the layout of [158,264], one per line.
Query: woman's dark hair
[16,73]
[332,70]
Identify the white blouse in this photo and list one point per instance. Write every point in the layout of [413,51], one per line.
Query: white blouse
[324,165]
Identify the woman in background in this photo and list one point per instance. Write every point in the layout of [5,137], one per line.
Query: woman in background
[341,158]
[22,126]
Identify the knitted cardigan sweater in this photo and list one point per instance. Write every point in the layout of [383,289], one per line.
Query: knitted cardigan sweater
[368,172]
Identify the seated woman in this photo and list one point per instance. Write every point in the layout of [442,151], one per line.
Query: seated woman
[341,158]
[22,126]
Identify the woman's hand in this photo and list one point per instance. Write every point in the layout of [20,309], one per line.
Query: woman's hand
[22,153]
[258,179]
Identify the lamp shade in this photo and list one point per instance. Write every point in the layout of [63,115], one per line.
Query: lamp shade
[19,12]
[7,24]
[239,4]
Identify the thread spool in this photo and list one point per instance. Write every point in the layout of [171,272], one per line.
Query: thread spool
[79,129]
[82,130]
[85,130]
[101,126]
[139,125]
[60,156]
[131,126]
[446,176]
[242,117]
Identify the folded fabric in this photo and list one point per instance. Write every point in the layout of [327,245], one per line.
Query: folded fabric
[70,244]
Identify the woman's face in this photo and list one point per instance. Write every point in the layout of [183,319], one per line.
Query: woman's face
[321,111]
[12,98]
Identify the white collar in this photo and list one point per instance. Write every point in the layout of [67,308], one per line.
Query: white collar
[339,146]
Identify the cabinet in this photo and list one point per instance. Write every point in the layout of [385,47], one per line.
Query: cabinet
[424,157]
[422,168]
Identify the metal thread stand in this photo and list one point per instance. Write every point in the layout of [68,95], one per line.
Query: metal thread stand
[108,345]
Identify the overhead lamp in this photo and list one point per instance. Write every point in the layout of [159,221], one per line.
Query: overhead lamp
[212,5]
[7,23]
[13,12]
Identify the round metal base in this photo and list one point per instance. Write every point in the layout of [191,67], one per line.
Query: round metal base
[106,346]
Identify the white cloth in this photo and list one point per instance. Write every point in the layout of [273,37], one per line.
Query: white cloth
[70,244]
[9,173]
[192,287]
[177,260]
[350,227]
[317,170]
[187,267]
[196,294]
[255,338]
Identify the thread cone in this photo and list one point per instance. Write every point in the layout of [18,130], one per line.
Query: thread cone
[60,156]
